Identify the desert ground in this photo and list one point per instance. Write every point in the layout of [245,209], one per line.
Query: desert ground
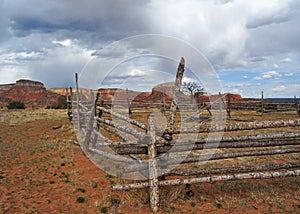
[43,171]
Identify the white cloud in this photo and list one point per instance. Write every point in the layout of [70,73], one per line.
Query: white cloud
[279,88]
[10,74]
[257,78]
[273,73]
[66,42]
[136,72]
[237,91]
[268,75]
[249,34]
[188,79]
[289,74]
[286,60]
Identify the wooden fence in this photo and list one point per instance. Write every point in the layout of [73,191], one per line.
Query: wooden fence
[154,154]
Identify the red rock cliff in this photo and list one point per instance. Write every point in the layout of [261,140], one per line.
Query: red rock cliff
[32,93]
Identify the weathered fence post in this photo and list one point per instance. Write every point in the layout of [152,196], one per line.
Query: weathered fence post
[77,102]
[297,106]
[174,103]
[153,177]
[96,103]
[226,107]
[68,98]
[71,103]
[128,103]
[262,103]
[90,125]
[229,105]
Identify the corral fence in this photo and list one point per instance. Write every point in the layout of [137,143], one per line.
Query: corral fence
[261,106]
[153,153]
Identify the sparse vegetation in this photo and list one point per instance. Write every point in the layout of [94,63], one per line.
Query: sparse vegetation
[115,201]
[104,209]
[16,105]
[35,153]
[80,199]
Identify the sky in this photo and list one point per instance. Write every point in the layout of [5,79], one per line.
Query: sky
[252,46]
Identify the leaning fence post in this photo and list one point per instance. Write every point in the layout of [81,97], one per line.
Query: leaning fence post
[153,178]
[128,103]
[68,104]
[225,106]
[262,103]
[297,106]
[174,103]
[71,103]
[90,126]
[229,105]
[77,102]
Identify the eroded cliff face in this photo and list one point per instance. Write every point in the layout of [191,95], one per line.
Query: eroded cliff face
[32,93]
[161,93]
[212,98]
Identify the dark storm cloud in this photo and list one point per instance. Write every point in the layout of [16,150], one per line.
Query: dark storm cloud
[276,38]
[37,27]
[49,38]
[113,19]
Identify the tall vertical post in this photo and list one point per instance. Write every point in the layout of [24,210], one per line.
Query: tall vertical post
[174,103]
[225,106]
[262,103]
[297,106]
[128,103]
[153,177]
[71,102]
[90,125]
[229,105]
[77,102]
[68,104]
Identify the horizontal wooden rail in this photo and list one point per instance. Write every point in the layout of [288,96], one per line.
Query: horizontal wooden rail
[215,156]
[141,136]
[234,127]
[138,149]
[122,117]
[238,169]
[209,179]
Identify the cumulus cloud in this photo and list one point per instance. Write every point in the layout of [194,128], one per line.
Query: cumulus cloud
[60,36]
[286,60]
[289,74]
[268,75]
[279,88]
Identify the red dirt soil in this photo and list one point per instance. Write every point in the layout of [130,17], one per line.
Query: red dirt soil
[42,171]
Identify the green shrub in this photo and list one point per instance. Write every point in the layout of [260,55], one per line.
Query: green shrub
[115,201]
[103,209]
[16,105]
[80,200]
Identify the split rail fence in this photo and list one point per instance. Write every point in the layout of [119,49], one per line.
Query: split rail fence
[153,154]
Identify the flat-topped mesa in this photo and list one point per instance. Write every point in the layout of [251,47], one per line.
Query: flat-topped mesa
[23,82]
[32,93]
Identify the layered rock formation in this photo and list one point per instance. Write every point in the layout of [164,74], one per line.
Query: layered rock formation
[32,93]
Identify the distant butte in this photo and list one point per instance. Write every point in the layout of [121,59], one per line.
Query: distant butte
[35,95]
[32,93]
